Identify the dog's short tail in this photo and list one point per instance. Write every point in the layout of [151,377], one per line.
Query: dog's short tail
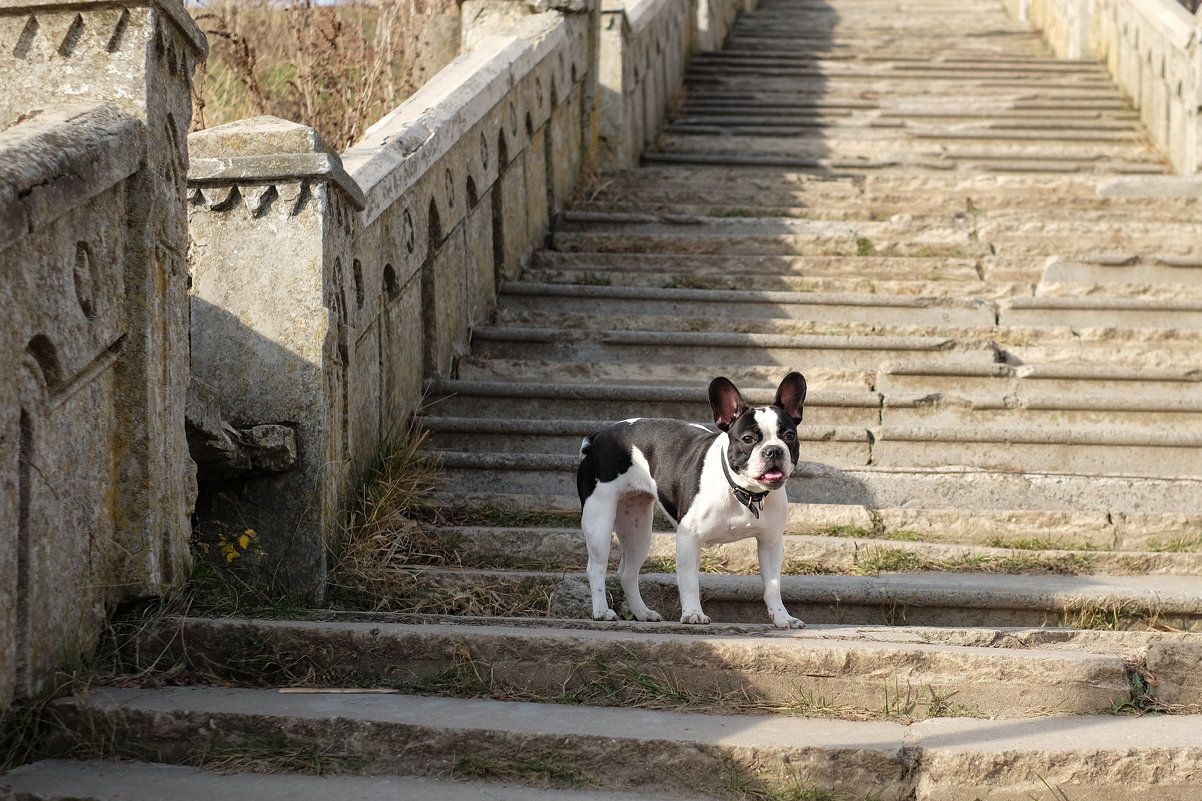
[584,446]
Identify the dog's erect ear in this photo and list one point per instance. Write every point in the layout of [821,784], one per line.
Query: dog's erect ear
[726,402]
[790,395]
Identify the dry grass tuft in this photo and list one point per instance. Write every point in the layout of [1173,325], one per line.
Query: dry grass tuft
[337,67]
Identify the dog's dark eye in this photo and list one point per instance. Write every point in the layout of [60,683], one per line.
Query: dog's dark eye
[748,439]
[790,436]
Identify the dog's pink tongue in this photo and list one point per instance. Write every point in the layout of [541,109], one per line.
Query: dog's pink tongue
[772,475]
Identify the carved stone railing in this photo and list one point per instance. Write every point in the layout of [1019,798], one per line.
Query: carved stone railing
[96,481]
[1152,50]
[326,289]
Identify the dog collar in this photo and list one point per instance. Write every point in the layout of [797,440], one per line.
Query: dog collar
[754,501]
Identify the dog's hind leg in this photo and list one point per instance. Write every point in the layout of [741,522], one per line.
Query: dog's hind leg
[597,522]
[633,526]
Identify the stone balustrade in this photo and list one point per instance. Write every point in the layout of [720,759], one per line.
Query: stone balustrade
[1152,50]
[273,304]
[96,483]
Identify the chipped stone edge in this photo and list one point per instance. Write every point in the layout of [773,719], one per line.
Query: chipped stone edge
[57,161]
[401,147]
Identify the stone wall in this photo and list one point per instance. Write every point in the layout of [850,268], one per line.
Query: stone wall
[94,467]
[644,47]
[1152,49]
[325,289]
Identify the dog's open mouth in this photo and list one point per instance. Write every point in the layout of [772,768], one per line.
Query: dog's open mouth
[771,477]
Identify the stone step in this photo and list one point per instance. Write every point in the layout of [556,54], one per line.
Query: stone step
[718,350]
[595,306]
[542,300]
[971,162]
[759,667]
[1127,268]
[841,551]
[1022,382]
[746,373]
[912,599]
[1159,197]
[95,780]
[541,401]
[963,236]
[903,147]
[895,131]
[917,488]
[1065,529]
[1108,758]
[606,749]
[1043,445]
[706,269]
[651,272]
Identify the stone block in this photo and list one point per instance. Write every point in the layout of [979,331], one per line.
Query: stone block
[1176,670]
[444,305]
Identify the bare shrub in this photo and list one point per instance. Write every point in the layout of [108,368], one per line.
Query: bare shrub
[336,67]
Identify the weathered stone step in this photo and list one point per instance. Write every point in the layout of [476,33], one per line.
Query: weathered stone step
[598,306]
[611,301]
[720,349]
[836,552]
[761,669]
[704,267]
[1044,443]
[1021,382]
[880,145]
[844,445]
[960,236]
[647,271]
[972,162]
[1065,529]
[894,131]
[877,61]
[527,400]
[870,487]
[64,780]
[913,599]
[607,749]
[1157,195]
[1126,268]
[748,372]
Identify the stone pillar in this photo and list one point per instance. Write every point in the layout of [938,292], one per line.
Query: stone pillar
[93,319]
[272,214]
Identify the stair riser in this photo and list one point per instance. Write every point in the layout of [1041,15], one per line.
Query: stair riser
[558,408]
[839,453]
[1065,458]
[1022,389]
[858,675]
[707,268]
[718,357]
[397,748]
[913,489]
[565,549]
[992,414]
[545,311]
[518,371]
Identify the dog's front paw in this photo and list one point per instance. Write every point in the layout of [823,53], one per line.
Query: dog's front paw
[608,614]
[649,616]
[787,622]
[695,618]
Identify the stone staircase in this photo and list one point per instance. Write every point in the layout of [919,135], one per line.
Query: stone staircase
[995,535]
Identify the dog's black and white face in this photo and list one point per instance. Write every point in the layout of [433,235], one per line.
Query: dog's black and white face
[763,441]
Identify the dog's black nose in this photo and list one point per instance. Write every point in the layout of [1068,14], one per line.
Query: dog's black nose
[773,453]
